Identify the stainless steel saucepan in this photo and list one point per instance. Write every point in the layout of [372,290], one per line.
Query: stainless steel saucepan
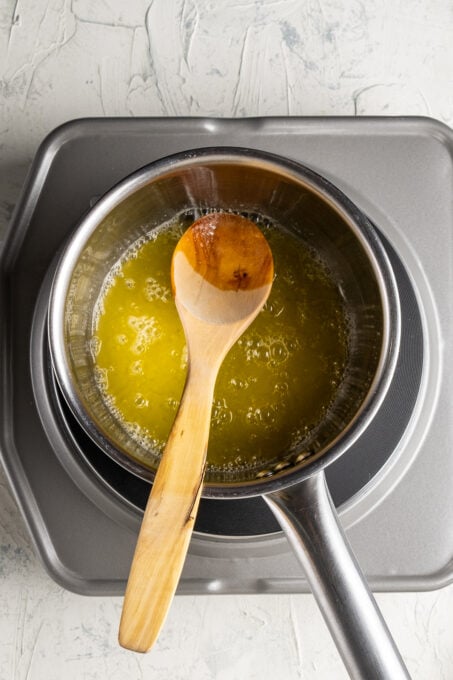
[296,197]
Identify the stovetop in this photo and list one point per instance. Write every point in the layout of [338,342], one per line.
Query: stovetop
[393,488]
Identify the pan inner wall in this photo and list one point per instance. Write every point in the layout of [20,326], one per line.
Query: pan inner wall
[224,187]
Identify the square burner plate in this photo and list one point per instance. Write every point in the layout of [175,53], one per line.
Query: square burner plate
[400,524]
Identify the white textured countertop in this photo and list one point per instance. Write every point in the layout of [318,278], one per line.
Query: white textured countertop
[64,59]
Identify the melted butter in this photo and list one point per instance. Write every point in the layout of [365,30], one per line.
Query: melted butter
[275,385]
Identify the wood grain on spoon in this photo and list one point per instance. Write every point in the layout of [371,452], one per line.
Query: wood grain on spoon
[222,271]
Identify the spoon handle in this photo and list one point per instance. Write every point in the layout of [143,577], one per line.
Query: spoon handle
[169,517]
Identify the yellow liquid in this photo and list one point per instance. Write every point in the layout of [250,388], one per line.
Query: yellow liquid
[275,385]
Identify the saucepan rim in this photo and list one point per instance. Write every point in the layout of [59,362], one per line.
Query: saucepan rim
[294,171]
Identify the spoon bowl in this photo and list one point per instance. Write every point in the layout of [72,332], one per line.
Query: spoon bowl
[222,269]
[222,272]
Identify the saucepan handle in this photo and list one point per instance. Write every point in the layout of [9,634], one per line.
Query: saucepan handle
[307,515]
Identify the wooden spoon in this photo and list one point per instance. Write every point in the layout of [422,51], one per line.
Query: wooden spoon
[222,271]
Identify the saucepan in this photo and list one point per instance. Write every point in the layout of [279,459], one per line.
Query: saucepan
[253,182]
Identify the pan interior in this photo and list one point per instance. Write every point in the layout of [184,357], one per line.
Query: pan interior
[257,189]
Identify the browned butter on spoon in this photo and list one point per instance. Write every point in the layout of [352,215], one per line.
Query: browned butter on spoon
[222,271]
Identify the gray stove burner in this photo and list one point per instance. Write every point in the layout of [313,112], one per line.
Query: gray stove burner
[84,514]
